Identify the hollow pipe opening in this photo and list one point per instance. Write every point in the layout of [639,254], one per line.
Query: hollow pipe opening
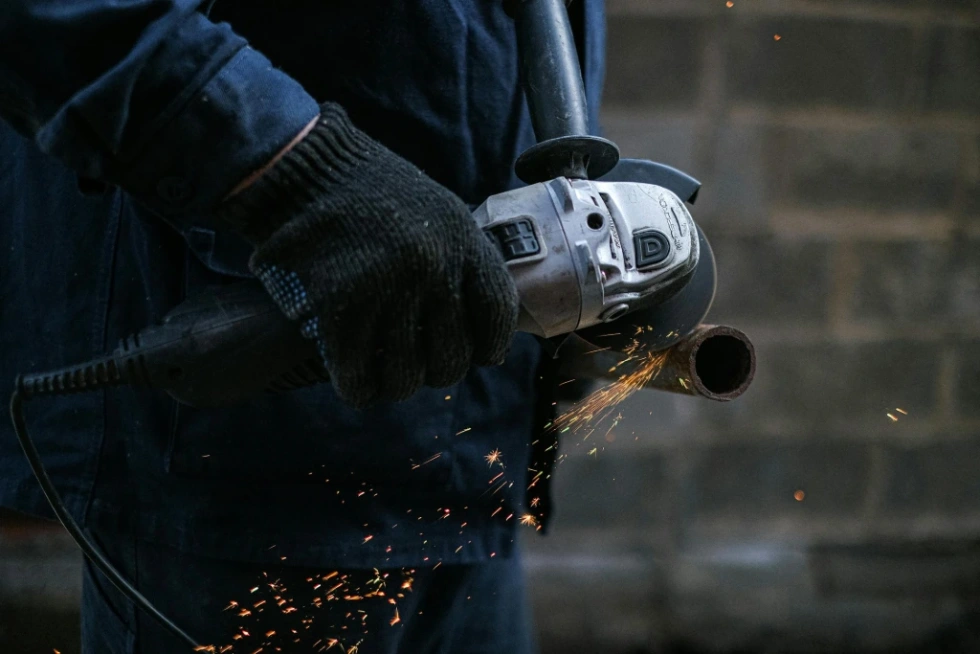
[722,363]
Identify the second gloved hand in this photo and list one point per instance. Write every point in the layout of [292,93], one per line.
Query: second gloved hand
[381,266]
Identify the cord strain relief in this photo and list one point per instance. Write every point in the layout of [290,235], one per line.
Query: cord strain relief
[89,376]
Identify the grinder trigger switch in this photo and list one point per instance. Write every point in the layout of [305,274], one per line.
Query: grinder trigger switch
[516,240]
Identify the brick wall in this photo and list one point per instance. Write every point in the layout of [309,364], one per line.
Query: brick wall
[841,171]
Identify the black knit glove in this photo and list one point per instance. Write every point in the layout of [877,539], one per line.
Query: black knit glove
[384,268]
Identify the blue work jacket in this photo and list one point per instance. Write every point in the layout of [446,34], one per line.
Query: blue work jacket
[123,123]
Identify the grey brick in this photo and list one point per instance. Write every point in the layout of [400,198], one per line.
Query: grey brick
[821,62]
[903,282]
[969,209]
[919,283]
[755,481]
[936,478]
[953,79]
[968,380]
[737,191]
[668,140]
[883,168]
[963,283]
[764,280]
[970,214]
[653,62]
[904,568]
[849,383]
[607,489]
[939,5]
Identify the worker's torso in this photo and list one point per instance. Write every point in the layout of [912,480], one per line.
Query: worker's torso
[436,81]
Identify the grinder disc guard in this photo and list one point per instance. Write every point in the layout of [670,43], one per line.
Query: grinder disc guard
[669,322]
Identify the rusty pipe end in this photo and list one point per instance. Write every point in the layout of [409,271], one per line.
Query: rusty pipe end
[719,362]
[716,362]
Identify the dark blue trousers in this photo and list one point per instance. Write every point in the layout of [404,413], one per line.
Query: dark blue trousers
[471,609]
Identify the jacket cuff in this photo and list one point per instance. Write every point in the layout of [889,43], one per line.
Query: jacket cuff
[241,118]
[328,156]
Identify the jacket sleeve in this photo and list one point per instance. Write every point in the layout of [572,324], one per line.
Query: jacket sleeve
[148,95]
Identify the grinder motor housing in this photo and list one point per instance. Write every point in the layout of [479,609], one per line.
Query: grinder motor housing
[587,252]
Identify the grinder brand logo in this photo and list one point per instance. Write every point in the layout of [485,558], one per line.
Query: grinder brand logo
[677,226]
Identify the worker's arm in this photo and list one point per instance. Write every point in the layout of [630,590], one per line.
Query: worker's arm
[383,267]
[148,95]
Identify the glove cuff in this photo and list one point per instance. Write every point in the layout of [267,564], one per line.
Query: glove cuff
[329,155]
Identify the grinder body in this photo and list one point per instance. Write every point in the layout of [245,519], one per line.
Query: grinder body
[581,253]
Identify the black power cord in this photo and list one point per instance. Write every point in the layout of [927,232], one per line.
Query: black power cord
[85,377]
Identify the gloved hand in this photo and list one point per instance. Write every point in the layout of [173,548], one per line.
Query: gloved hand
[384,268]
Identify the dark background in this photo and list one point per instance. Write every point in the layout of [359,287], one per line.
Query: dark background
[841,170]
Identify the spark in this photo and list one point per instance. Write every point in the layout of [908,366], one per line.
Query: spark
[367,538]
[494,457]
[776,37]
[593,451]
[427,461]
[729,4]
[893,417]
[395,620]
[799,495]
[591,412]
[463,431]
[529,520]
[376,580]
[535,501]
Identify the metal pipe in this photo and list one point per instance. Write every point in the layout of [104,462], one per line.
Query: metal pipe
[715,362]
